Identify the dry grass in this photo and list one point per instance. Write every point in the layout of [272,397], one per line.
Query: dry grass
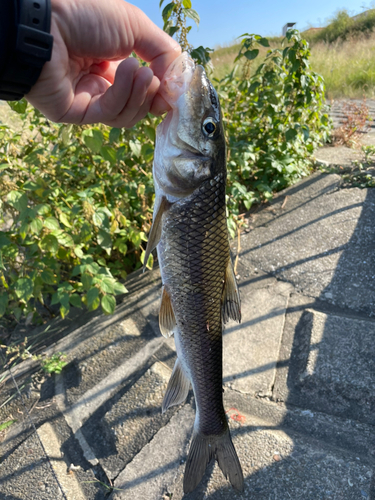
[354,125]
[348,67]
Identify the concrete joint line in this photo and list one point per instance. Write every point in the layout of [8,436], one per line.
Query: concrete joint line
[61,403]
[89,402]
[281,338]
[68,482]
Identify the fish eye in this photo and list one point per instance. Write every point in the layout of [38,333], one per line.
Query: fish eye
[209,127]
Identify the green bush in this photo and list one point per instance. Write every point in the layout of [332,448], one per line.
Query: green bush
[76,205]
[344,27]
[274,121]
[76,202]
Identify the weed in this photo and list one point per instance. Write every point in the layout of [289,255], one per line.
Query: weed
[354,124]
[54,364]
[359,174]
[7,424]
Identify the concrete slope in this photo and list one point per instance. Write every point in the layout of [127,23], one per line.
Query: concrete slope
[299,374]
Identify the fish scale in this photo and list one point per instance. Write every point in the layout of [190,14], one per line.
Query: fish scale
[193,264]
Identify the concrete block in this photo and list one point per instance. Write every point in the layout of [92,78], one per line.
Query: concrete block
[251,348]
[321,240]
[154,469]
[132,421]
[333,365]
[280,464]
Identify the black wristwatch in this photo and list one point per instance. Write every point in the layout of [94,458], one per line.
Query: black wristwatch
[30,47]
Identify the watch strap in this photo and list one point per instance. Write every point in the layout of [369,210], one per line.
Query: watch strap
[33,48]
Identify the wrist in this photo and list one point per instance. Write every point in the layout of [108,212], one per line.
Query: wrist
[31,47]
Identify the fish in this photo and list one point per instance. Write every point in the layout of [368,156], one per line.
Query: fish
[199,289]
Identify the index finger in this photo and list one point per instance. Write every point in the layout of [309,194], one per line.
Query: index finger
[151,43]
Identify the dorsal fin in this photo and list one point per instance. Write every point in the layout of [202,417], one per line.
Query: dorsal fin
[167,320]
[161,205]
[231,296]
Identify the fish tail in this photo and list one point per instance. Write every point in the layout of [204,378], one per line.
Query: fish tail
[202,449]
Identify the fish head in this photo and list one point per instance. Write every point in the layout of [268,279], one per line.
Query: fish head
[190,143]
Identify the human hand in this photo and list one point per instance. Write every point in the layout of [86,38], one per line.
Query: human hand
[91,77]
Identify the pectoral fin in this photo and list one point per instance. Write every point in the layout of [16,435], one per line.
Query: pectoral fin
[161,205]
[231,296]
[167,320]
[178,388]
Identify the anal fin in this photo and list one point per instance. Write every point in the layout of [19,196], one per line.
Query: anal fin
[178,388]
[231,296]
[167,320]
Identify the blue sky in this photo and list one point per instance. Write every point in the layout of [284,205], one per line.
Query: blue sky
[224,20]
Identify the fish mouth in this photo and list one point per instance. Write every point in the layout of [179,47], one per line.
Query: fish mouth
[188,151]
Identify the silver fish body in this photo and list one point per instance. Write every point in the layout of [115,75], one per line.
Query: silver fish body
[199,289]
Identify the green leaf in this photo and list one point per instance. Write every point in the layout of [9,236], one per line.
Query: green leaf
[104,240]
[93,139]
[264,42]
[172,30]
[64,298]
[66,133]
[4,240]
[23,229]
[114,134]
[291,134]
[92,296]
[135,148]
[49,243]
[167,11]
[24,288]
[107,285]
[186,4]
[108,304]
[48,277]
[77,270]
[75,300]
[42,209]
[150,131]
[98,218]
[119,288]
[86,281]
[3,303]
[78,251]
[8,423]
[108,154]
[193,14]
[64,311]
[17,200]
[36,226]
[51,223]
[64,239]
[150,261]
[18,106]
[121,245]
[64,219]
[251,54]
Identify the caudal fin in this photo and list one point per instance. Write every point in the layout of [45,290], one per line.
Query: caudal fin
[202,449]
